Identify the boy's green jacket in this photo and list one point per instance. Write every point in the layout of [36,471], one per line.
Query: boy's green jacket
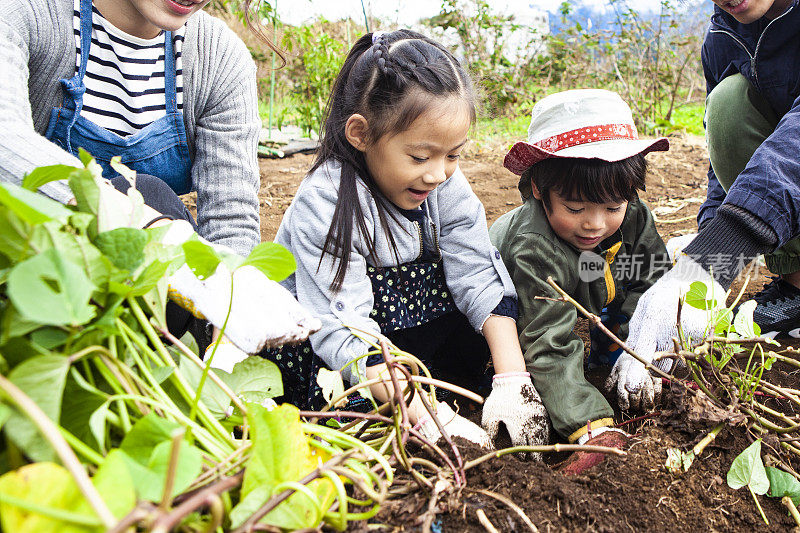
[553,352]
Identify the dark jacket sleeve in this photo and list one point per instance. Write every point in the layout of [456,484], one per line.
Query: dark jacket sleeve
[769,186]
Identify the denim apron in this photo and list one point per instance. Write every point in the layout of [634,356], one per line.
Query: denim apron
[159,149]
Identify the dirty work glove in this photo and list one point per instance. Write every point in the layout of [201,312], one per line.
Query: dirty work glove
[263,314]
[226,355]
[652,327]
[455,425]
[515,402]
[676,244]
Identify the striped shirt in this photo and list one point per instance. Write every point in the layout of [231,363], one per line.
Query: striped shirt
[125,76]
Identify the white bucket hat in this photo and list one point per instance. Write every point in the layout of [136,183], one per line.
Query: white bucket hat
[582,123]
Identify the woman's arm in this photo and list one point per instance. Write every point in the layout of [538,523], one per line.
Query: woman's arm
[221,107]
[21,148]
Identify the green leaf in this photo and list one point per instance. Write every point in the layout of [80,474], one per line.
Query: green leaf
[32,207]
[15,325]
[51,290]
[722,321]
[86,191]
[122,170]
[43,379]
[201,258]
[280,453]
[123,246]
[697,296]
[149,277]
[114,483]
[42,175]
[161,373]
[150,477]
[85,157]
[49,487]
[783,484]
[15,236]
[275,261]
[212,394]
[5,414]
[76,413]
[743,323]
[748,469]
[255,374]
[147,433]
[97,424]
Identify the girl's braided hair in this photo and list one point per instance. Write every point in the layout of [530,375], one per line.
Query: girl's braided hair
[390,79]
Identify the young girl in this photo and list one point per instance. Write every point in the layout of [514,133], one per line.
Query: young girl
[390,239]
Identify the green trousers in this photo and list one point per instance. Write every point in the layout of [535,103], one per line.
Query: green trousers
[738,119]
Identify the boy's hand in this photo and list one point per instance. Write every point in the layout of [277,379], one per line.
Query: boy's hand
[653,325]
[515,402]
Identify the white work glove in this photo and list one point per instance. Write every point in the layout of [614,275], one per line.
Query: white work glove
[676,245]
[226,354]
[652,327]
[455,425]
[263,314]
[515,402]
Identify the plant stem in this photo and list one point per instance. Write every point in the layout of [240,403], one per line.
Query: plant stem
[50,512]
[708,439]
[207,366]
[50,432]
[172,468]
[81,447]
[760,510]
[199,363]
[595,320]
[787,501]
[205,415]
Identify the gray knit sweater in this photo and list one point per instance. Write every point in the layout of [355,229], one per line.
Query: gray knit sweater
[37,49]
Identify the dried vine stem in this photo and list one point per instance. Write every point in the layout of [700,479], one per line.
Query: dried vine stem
[513,506]
[594,319]
[50,432]
[164,522]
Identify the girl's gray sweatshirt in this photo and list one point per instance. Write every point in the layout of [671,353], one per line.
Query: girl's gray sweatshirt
[220,112]
[474,272]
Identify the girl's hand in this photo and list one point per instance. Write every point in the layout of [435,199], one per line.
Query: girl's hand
[515,402]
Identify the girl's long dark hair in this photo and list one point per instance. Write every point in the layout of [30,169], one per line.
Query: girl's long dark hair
[388,78]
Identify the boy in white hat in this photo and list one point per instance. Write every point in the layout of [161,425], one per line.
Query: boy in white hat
[582,224]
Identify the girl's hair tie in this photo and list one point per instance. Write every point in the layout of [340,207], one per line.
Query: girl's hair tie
[377,35]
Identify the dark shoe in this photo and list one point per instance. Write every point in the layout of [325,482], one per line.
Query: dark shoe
[580,461]
[778,309]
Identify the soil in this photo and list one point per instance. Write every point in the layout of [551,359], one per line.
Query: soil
[635,492]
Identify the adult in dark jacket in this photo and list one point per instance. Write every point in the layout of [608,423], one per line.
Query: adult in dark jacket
[751,60]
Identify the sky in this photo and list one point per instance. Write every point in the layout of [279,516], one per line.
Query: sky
[407,12]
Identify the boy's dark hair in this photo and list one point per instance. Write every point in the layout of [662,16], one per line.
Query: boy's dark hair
[586,180]
[391,82]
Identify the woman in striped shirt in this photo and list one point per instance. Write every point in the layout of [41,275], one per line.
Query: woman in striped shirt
[169,88]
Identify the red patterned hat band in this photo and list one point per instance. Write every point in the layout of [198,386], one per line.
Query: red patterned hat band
[590,134]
